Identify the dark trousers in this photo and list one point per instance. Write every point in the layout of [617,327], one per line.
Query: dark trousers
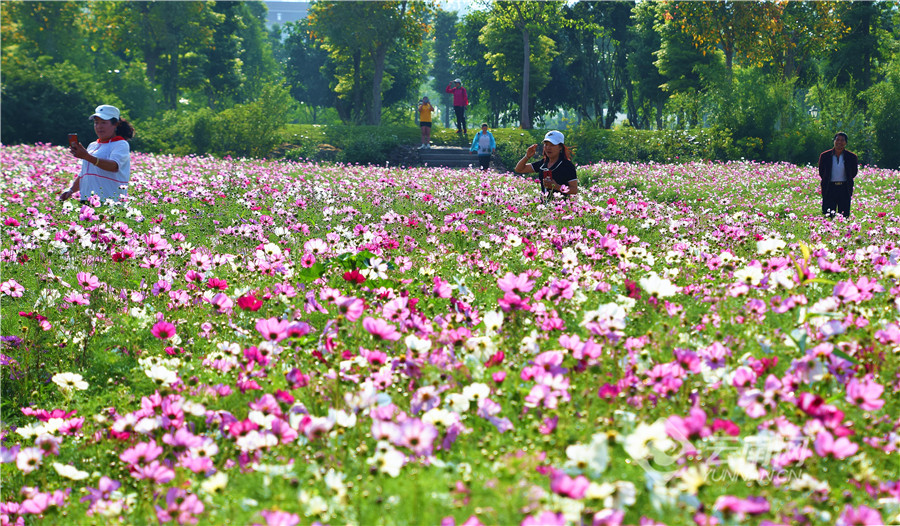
[485,161]
[836,198]
[460,118]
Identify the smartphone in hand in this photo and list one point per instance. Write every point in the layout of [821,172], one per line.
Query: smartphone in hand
[73,139]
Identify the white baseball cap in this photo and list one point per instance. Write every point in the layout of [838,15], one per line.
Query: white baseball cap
[458,81]
[105,112]
[554,137]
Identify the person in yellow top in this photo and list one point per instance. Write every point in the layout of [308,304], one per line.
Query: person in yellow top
[425,108]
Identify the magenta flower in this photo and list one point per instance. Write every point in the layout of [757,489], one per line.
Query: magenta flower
[272,329]
[163,330]
[865,394]
[739,508]
[381,329]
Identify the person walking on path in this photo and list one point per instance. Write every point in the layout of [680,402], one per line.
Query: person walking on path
[425,109]
[106,162]
[460,101]
[837,170]
[484,145]
[556,167]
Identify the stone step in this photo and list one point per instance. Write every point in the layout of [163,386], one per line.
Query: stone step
[448,157]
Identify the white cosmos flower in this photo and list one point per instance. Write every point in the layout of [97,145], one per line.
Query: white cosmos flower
[770,245]
[648,440]
[750,275]
[215,483]
[70,472]
[387,459]
[69,382]
[493,320]
[457,402]
[476,391]
[658,287]
[161,375]
[417,345]
[590,458]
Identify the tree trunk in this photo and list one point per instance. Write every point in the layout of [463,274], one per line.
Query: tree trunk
[526,79]
[377,76]
[356,108]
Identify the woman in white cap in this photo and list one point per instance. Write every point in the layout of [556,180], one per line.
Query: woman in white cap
[556,167]
[106,162]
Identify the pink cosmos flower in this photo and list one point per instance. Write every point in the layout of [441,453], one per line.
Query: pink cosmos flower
[87,280]
[222,303]
[141,453]
[380,329]
[76,298]
[272,329]
[28,459]
[12,288]
[416,435]
[163,330]
[861,516]
[520,284]
[827,446]
[351,308]
[280,518]
[181,507]
[865,394]
[154,472]
[563,484]
[739,508]
[547,518]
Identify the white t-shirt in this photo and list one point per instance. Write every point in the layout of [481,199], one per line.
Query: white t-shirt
[101,182]
[837,169]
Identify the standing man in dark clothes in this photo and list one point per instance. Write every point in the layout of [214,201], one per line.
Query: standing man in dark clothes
[837,170]
[460,101]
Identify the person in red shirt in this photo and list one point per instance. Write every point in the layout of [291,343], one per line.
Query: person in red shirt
[460,101]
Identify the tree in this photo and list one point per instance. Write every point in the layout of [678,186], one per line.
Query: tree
[368,31]
[531,19]
[51,29]
[600,43]
[168,37]
[725,25]
[865,45]
[645,76]
[442,64]
[305,68]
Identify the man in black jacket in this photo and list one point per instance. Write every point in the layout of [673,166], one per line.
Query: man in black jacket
[837,169]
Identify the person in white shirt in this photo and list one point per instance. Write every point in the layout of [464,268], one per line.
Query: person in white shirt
[106,162]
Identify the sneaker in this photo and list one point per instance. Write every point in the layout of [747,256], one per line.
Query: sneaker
[422,147]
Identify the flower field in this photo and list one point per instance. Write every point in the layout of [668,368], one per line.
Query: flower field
[252,342]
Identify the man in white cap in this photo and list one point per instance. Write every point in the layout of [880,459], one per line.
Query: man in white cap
[460,101]
[556,168]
